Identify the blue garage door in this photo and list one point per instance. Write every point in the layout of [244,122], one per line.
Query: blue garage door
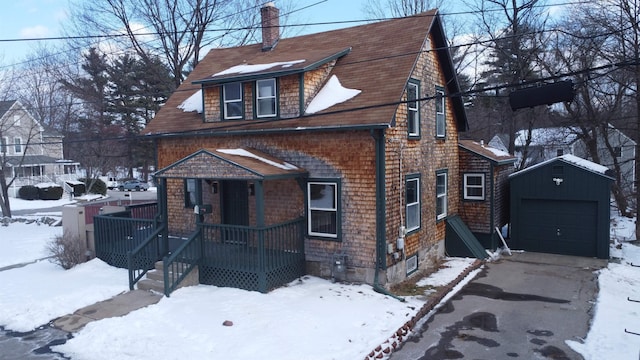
[559,226]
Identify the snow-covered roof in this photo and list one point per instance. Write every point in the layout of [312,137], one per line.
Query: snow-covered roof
[332,93]
[193,103]
[488,152]
[571,159]
[252,68]
[547,136]
[246,153]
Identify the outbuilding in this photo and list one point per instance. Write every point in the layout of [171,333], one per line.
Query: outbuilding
[561,206]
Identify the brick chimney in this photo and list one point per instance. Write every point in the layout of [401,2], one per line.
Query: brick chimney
[270,26]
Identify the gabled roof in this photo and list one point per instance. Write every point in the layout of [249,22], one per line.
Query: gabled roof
[571,160]
[238,164]
[494,155]
[5,106]
[376,58]
[548,136]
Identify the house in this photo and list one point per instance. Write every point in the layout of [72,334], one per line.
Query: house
[542,144]
[484,202]
[31,153]
[333,154]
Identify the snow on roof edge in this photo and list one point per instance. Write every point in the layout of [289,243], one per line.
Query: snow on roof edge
[572,159]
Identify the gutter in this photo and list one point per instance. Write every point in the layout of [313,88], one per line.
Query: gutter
[381,226]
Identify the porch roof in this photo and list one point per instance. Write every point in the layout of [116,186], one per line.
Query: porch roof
[238,164]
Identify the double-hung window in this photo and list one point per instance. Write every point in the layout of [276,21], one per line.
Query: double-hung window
[474,186]
[440,112]
[413,108]
[412,198]
[232,101]
[323,205]
[441,195]
[3,144]
[266,98]
[17,145]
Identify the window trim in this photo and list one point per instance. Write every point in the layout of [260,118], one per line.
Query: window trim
[466,186]
[258,98]
[410,178]
[4,145]
[17,145]
[224,101]
[617,151]
[445,195]
[441,98]
[338,208]
[416,110]
[410,261]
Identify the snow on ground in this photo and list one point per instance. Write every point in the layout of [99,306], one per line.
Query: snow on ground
[37,293]
[21,242]
[614,313]
[310,319]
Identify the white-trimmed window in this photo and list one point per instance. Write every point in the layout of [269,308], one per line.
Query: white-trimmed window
[266,98]
[617,151]
[474,186]
[412,264]
[323,205]
[413,108]
[440,112]
[191,192]
[412,198]
[3,144]
[232,101]
[16,119]
[441,195]
[17,145]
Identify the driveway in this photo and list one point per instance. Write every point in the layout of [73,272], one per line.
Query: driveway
[522,307]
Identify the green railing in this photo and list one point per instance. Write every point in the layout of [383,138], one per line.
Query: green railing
[117,234]
[143,258]
[179,264]
[257,259]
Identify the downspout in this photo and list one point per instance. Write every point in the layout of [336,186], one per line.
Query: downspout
[381,226]
[492,206]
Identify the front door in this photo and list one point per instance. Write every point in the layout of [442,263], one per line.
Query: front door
[235,208]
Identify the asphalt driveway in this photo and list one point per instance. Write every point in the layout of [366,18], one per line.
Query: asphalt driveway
[522,307]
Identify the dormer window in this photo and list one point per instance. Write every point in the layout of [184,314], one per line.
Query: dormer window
[232,100]
[266,98]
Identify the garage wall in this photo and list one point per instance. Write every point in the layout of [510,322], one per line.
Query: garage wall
[568,217]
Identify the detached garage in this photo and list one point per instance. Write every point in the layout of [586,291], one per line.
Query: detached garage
[561,206]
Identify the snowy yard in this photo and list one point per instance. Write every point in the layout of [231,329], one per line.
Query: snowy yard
[311,318]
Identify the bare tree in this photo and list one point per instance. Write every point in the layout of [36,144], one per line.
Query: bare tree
[175,30]
[381,9]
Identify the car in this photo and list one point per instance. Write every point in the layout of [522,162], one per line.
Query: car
[136,185]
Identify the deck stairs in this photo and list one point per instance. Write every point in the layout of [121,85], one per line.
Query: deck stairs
[154,280]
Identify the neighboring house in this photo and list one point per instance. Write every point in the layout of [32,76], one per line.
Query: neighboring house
[484,171]
[624,149]
[29,152]
[548,143]
[334,154]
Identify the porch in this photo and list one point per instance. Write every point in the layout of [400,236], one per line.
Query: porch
[231,242]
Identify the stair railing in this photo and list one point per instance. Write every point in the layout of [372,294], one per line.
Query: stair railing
[143,258]
[182,261]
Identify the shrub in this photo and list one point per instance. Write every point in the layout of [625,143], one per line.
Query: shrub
[99,187]
[50,193]
[28,192]
[66,250]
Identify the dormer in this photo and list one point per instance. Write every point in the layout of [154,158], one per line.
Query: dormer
[259,90]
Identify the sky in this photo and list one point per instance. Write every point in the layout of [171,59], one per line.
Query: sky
[26,19]
[314,317]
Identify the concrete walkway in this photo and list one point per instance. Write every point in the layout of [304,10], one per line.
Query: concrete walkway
[118,305]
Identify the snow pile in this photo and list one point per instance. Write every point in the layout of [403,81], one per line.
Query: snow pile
[447,273]
[193,103]
[332,93]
